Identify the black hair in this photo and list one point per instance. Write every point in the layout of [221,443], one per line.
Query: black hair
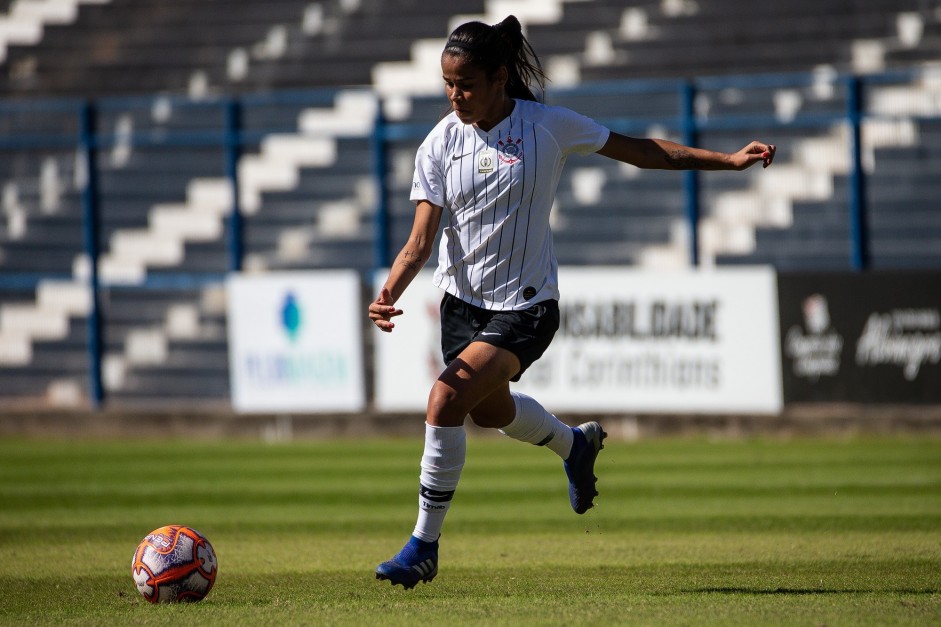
[490,47]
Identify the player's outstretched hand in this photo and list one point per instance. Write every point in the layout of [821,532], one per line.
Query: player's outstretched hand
[752,154]
[381,311]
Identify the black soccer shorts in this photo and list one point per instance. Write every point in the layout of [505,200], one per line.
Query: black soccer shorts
[526,333]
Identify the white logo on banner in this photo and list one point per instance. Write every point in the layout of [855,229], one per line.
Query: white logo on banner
[817,352]
[908,338]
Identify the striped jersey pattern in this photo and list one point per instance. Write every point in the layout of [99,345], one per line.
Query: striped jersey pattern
[497,188]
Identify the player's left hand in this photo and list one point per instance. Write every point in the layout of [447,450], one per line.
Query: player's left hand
[752,154]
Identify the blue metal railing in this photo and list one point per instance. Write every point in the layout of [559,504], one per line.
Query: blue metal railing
[859,232]
[233,133]
[691,177]
[233,150]
[90,222]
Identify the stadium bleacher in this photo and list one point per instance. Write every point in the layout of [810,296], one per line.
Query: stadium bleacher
[160,73]
[162,340]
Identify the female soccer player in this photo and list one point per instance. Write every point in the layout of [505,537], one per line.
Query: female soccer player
[491,166]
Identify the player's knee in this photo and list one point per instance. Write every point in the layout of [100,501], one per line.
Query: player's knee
[444,408]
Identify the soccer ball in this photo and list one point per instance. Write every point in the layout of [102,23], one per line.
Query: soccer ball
[174,563]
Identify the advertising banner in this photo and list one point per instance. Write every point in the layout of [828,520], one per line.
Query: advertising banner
[295,342]
[861,337]
[407,361]
[629,341]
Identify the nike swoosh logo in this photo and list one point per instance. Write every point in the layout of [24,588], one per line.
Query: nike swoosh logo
[459,157]
[486,333]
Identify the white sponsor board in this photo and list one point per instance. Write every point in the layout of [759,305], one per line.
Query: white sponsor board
[630,341]
[295,342]
[408,359]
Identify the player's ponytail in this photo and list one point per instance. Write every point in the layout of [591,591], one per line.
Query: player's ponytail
[503,44]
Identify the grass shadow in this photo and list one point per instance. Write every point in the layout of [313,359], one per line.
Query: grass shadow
[808,591]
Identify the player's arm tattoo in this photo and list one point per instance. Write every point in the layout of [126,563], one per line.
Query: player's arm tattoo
[411,261]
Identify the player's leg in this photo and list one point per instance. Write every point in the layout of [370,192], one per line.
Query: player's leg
[477,371]
[528,421]
[527,334]
[531,422]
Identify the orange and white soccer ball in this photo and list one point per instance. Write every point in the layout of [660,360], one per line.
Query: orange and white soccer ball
[174,563]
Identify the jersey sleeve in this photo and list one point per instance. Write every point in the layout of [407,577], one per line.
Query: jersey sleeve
[577,133]
[428,180]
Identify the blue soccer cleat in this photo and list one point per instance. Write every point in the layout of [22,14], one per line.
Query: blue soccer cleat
[417,561]
[580,465]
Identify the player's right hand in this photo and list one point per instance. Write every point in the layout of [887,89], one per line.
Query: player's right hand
[381,311]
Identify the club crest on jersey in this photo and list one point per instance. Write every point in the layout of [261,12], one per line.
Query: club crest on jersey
[510,150]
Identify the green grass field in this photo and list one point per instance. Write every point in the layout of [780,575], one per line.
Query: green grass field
[802,532]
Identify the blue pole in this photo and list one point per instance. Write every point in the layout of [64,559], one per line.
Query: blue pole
[233,150]
[859,228]
[691,177]
[90,209]
[380,167]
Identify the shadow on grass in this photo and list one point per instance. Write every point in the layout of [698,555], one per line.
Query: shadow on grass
[808,591]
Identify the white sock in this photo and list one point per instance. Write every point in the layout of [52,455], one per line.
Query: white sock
[441,464]
[537,426]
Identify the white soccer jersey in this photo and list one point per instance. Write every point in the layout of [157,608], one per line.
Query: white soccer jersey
[497,188]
